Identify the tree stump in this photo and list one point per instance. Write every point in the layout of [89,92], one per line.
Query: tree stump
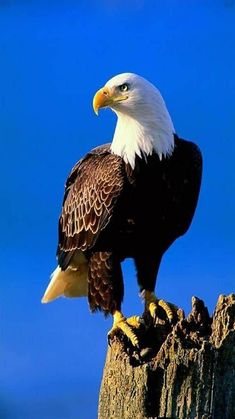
[183,371]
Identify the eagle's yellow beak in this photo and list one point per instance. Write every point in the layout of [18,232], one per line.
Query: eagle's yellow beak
[102,98]
[106,97]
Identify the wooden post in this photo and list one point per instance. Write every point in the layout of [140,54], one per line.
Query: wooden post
[182,372]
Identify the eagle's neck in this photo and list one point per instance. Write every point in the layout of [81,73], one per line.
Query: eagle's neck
[153,132]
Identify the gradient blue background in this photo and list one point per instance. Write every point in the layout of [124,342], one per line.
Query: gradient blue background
[52,60]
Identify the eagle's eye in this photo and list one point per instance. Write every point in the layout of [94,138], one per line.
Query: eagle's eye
[123,87]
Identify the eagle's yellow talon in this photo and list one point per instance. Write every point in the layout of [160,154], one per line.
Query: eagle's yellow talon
[152,304]
[125,325]
[153,309]
[134,321]
[166,307]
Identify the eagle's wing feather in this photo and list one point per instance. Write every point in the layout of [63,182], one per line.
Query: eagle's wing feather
[92,190]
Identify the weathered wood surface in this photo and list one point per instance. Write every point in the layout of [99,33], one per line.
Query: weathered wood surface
[183,371]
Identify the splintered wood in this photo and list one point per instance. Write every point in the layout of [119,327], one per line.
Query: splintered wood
[181,372]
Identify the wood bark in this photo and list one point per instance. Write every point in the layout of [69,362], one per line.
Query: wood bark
[182,371]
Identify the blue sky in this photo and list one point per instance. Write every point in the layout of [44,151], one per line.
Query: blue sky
[52,60]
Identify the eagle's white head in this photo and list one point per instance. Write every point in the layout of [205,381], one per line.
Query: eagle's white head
[144,124]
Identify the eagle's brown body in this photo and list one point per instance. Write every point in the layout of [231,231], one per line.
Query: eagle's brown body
[111,212]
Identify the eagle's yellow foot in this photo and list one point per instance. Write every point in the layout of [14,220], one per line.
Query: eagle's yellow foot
[152,303]
[134,321]
[126,326]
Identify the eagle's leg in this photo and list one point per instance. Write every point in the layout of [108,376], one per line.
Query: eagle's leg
[106,290]
[147,265]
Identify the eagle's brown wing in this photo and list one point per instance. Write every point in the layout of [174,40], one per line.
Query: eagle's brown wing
[92,190]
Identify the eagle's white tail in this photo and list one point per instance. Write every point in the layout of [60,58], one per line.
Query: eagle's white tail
[69,283]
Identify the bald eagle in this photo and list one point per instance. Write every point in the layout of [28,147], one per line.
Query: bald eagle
[129,199]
